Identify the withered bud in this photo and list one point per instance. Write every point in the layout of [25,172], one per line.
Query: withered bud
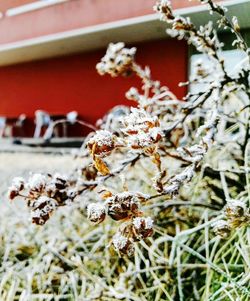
[16,187]
[222,228]
[118,60]
[235,23]
[123,245]
[122,205]
[12,193]
[143,226]
[102,143]
[59,182]
[37,182]
[42,209]
[164,8]
[89,172]
[96,212]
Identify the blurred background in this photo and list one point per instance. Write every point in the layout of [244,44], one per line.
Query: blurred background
[49,49]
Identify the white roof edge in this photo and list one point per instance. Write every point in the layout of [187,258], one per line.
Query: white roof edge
[13,52]
[35,5]
[108,26]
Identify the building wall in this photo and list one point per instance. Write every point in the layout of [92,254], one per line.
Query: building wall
[69,15]
[63,84]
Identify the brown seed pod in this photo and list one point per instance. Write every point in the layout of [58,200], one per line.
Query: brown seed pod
[12,193]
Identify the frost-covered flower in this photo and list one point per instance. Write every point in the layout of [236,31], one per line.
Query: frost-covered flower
[16,186]
[43,194]
[96,212]
[143,226]
[118,60]
[164,8]
[122,205]
[41,209]
[103,142]
[142,130]
[123,245]
[37,182]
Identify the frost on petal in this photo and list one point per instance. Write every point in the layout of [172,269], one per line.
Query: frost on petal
[146,222]
[101,138]
[142,130]
[119,241]
[123,205]
[101,143]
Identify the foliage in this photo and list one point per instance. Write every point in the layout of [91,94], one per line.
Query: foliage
[163,174]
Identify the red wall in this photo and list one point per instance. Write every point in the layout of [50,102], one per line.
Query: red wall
[71,83]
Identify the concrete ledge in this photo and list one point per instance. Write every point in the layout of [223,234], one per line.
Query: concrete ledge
[39,145]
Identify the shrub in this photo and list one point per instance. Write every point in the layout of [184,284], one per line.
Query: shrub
[167,170]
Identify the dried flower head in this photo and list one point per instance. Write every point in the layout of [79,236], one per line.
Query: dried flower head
[123,205]
[123,245]
[118,60]
[102,143]
[141,129]
[16,187]
[143,226]
[37,182]
[42,209]
[96,212]
[164,8]
[43,194]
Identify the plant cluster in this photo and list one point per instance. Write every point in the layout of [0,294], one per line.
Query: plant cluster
[158,128]
[164,152]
